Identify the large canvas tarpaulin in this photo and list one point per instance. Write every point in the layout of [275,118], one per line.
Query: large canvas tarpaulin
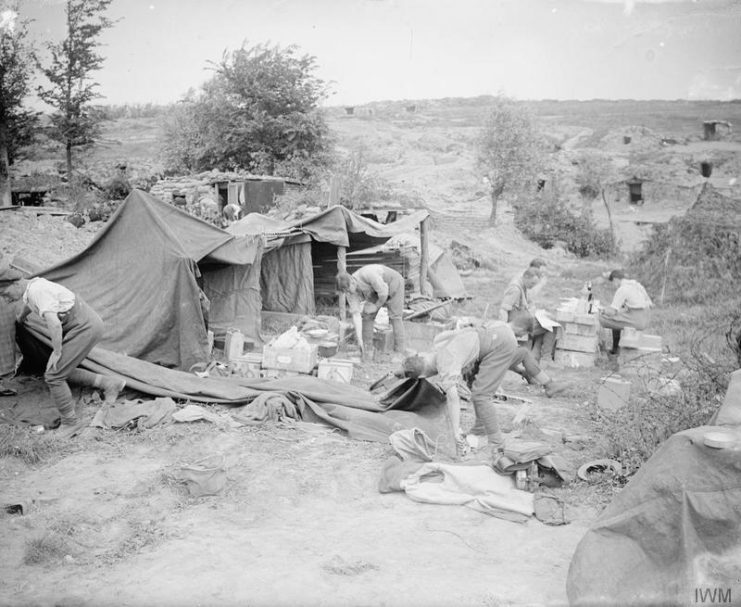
[140,274]
[672,536]
[363,415]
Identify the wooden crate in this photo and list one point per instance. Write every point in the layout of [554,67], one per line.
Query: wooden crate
[578,343]
[577,328]
[569,358]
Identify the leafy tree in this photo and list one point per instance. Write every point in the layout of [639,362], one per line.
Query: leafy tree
[258,112]
[16,123]
[508,151]
[76,123]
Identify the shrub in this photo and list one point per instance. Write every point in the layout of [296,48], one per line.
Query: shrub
[550,222]
[709,354]
[679,252]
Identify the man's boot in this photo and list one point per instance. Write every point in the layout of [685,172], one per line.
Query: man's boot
[397,325]
[63,401]
[615,342]
[367,331]
[111,386]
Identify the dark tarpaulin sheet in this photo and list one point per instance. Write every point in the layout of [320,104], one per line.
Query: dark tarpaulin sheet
[139,274]
[672,536]
[287,280]
[409,404]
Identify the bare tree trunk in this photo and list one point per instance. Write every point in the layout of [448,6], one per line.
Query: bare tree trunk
[69,161]
[5,193]
[496,192]
[609,217]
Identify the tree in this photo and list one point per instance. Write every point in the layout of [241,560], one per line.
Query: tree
[16,123]
[258,112]
[593,173]
[508,151]
[76,123]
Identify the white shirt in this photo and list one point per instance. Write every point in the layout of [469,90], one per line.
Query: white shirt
[44,296]
[631,295]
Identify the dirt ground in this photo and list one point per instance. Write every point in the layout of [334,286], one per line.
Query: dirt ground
[300,521]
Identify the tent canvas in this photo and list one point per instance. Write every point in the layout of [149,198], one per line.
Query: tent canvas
[140,274]
[297,253]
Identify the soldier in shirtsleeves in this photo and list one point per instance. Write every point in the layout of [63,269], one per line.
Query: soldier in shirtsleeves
[73,328]
[481,356]
[368,290]
[630,307]
[516,299]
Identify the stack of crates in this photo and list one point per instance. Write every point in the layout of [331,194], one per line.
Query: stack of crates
[578,336]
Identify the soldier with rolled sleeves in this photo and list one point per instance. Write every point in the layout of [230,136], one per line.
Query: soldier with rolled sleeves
[368,290]
[630,307]
[479,355]
[73,328]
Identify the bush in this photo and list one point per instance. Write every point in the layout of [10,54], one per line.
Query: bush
[551,222]
[709,353]
[679,252]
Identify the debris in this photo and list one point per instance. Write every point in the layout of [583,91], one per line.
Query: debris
[599,465]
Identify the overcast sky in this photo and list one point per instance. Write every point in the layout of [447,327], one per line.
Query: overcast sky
[373,50]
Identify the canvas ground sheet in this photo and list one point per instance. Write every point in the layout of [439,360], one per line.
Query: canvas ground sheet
[672,536]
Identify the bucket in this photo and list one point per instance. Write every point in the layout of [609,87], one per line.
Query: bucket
[233,345]
[335,369]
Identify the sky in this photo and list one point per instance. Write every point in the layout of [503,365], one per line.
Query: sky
[375,50]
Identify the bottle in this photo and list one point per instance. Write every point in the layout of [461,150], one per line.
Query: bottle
[590,297]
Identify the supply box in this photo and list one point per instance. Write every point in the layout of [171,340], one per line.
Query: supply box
[335,369]
[248,365]
[301,359]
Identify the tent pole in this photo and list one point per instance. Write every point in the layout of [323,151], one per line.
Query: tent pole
[423,253]
[342,267]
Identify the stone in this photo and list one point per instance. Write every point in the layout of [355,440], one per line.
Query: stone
[614,393]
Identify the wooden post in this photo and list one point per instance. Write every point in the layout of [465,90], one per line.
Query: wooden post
[666,275]
[424,253]
[342,267]
[333,196]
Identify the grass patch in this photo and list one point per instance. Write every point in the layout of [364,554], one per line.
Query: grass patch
[50,547]
[27,445]
[702,342]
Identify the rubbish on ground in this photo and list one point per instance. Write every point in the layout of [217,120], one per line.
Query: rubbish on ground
[599,465]
[205,477]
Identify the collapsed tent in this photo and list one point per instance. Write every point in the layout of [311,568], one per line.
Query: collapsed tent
[300,260]
[141,274]
[672,536]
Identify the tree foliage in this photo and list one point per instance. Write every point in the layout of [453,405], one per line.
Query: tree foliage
[508,151]
[76,122]
[258,112]
[16,123]
[547,220]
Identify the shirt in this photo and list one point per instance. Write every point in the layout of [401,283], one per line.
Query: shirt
[44,296]
[370,282]
[454,352]
[631,295]
[515,296]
